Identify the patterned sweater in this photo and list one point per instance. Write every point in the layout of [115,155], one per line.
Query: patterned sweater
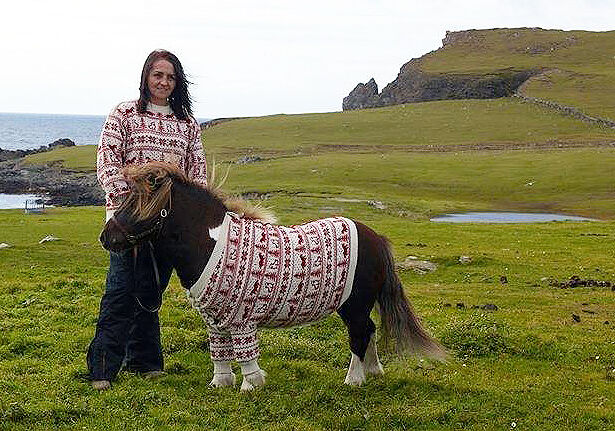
[268,275]
[156,135]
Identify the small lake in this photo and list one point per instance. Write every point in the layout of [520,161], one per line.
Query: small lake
[15,201]
[505,217]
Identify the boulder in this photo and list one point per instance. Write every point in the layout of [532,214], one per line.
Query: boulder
[63,142]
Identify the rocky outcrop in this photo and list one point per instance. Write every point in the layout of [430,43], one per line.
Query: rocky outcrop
[17,154]
[59,186]
[363,96]
[413,84]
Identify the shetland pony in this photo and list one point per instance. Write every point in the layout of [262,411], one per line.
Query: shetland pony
[351,269]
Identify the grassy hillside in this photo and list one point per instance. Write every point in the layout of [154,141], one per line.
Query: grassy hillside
[582,63]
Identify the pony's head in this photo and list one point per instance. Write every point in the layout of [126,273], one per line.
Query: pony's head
[143,213]
[160,196]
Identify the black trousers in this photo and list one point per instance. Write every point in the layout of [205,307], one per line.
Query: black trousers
[128,330]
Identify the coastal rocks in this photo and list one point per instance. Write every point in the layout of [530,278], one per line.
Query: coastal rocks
[17,154]
[60,187]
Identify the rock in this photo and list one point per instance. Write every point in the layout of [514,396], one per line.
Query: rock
[576,281]
[248,159]
[465,259]
[377,204]
[420,266]
[4,245]
[49,238]
[362,96]
[63,142]
[576,317]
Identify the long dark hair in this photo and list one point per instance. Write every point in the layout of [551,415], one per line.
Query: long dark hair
[180,100]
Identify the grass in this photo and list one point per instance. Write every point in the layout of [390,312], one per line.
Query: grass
[527,362]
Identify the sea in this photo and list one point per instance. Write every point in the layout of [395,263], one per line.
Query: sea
[29,131]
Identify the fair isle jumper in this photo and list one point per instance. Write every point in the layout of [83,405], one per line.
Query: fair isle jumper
[267,275]
[129,138]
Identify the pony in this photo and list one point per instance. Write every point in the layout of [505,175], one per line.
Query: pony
[291,275]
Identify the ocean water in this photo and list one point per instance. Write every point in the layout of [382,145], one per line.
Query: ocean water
[28,131]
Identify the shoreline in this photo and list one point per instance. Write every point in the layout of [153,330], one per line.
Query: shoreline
[58,186]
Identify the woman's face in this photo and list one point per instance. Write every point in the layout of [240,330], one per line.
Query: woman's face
[161,82]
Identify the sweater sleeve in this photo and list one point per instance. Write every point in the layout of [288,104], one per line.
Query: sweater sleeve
[110,160]
[196,165]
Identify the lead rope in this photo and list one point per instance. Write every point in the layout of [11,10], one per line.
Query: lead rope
[156,275]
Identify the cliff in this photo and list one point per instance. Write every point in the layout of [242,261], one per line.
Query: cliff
[477,64]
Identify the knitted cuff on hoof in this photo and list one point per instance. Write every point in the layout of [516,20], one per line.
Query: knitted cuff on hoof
[253,380]
[223,379]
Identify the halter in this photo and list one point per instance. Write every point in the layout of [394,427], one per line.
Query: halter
[133,239]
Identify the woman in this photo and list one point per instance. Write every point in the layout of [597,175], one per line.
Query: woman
[157,127]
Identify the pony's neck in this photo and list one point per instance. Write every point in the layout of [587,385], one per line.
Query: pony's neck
[188,244]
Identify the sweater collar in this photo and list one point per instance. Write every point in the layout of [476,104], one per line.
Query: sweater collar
[159,109]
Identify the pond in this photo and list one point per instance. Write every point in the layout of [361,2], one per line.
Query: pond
[15,201]
[505,217]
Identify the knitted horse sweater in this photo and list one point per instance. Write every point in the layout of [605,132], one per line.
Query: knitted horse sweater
[129,137]
[268,275]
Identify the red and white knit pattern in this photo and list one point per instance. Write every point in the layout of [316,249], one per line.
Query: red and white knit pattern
[156,135]
[267,275]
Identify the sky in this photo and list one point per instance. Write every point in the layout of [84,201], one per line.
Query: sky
[245,58]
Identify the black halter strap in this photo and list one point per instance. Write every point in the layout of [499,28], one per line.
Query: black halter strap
[156,276]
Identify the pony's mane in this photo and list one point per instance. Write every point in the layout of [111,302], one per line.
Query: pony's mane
[151,188]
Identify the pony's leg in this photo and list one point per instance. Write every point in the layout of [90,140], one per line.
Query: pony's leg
[245,345]
[372,364]
[222,353]
[360,332]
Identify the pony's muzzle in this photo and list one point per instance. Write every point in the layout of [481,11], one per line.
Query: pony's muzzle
[112,241]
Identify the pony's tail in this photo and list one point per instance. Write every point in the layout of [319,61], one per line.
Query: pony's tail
[398,320]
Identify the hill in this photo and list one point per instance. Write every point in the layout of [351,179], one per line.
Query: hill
[572,68]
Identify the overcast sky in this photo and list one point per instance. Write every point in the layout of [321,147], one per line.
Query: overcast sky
[253,57]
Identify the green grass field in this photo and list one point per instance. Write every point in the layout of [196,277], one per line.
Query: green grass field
[527,365]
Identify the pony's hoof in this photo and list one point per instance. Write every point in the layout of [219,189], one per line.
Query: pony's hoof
[253,380]
[223,379]
[101,385]
[375,370]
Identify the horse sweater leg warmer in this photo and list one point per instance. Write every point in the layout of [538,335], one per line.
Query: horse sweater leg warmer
[253,375]
[223,375]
